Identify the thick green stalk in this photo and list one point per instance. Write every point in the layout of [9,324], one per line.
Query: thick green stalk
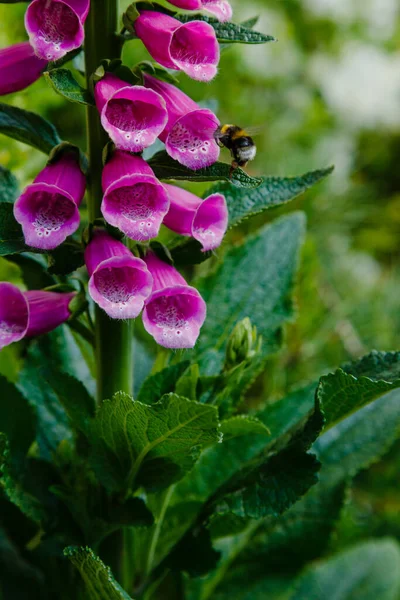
[113,339]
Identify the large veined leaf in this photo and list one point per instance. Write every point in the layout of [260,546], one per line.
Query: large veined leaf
[167,168]
[162,382]
[9,189]
[367,571]
[218,464]
[255,280]
[11,236]
[358,384]
[272,191]
[97,578]
[150,445]
[65,84]
[346,448]
[59,353]
[28,127]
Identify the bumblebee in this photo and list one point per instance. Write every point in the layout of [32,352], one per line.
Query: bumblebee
[238,141]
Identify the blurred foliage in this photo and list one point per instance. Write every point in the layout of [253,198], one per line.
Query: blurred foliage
[327,93]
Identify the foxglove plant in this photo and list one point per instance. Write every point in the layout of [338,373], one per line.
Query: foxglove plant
[189,47]
[174,311]
[218,8]
[182,492]
[204,220]
[189,132]
[32,313]
[119,283]
[19,68]
[134,200]
[48,209]
[132,115]
[55,27]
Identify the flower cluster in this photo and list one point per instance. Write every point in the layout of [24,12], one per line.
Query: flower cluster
[134,200]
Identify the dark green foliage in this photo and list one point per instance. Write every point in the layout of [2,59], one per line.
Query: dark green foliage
[28,127]
[65,84]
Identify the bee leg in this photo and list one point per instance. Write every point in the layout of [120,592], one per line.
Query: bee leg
[233,168]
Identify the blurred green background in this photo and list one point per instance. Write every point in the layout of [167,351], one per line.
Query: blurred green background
[328,92]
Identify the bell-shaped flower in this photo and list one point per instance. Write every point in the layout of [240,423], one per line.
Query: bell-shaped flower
[221,9]
[190,47]
[132,115]
[28,314]
[175,311]
[134,200]
[55,27]
[19,67]
[189,133]
[119,283]
[205,220]
[48,208]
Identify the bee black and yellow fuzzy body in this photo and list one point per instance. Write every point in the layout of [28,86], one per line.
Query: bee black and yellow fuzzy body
[240,144]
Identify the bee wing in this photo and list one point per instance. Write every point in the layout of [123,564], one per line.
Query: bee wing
[254,130]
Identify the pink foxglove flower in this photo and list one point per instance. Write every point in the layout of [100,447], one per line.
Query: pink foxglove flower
[189,133]
[19,67]
[28,314]
[205,220]
[221,9]
[175,311]
[134,200]
[119,283]
[133,116]
[190,47]
[55,27]
[48,208]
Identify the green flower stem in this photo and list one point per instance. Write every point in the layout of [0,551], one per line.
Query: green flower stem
[113,339]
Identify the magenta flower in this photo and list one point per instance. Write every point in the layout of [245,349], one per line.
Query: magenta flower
[119,283]
[205,220]
[134,200]
[19,67]
[48,208]
[28,314]
[219,8]
[189,133]
[133,116]
[175,311]
[55,27]
[190,47]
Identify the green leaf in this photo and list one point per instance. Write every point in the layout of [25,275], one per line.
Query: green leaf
[277,486]
[9,189]
[342,393]
[188,252]
[256,280]
[367,571]
[11,236]
[72,395]
[228,33]
[65,84]
[273,191]
[167,168]
[242,425]
[12,485]
[98,579]
[66,258]
[149,445]
[219,464]
[59,353]
[349,446]
[17,419]
[28,127]
[162,382]
[187,384]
